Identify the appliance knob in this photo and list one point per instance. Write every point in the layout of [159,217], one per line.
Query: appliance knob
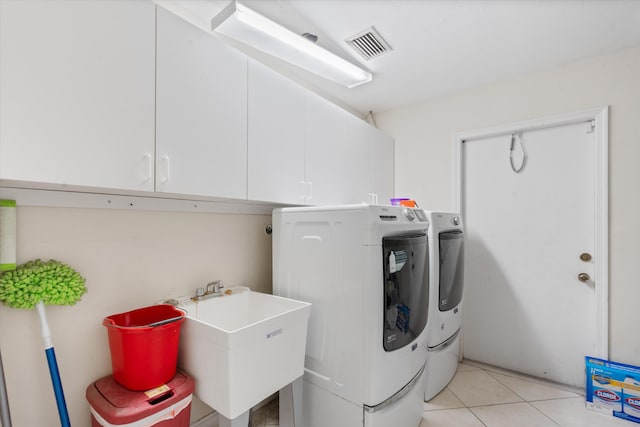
[409,214]
[455,220]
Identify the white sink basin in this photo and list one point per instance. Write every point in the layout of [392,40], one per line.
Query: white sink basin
[243,347]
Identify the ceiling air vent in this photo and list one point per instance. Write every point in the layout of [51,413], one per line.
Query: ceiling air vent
[368,43]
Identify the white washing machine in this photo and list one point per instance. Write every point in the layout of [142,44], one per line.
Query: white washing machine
[365,270]
[446,245]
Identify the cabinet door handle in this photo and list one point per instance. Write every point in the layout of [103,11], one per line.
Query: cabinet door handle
[307,190]
[148,165]
[165,163]
[303,192]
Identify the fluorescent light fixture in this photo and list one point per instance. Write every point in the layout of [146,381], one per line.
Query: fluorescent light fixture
[240,23]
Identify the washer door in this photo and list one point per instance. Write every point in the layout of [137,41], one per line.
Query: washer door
[406,289]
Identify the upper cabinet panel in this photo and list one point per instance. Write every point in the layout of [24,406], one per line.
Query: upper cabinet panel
[201,139]
[337,154]
[360,136]
[305,150]
[383,167]
[276,137]
[77,92]
[326,165]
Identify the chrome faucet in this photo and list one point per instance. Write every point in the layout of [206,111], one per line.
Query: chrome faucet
[213,289]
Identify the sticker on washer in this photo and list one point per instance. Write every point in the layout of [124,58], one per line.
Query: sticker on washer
[397,260]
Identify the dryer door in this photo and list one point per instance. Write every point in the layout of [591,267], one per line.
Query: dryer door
[451,269]
[406,289]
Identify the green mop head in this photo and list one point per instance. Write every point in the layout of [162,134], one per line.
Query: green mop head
[51,282]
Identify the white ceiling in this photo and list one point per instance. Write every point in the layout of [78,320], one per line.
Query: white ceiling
[444,46]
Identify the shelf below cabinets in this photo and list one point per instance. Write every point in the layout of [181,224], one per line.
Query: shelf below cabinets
[28,194]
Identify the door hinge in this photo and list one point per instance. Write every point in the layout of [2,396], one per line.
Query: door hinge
[591,125]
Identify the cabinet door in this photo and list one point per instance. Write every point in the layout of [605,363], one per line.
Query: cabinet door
[339,155]
[77,92]
[276,137]
[383,167]
[359,150]
[328,159]
[201,139]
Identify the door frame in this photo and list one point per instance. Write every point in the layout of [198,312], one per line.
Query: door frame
[600,116]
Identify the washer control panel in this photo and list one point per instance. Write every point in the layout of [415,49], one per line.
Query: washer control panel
[400,214]
[408,213]
[421,215]
[412,214]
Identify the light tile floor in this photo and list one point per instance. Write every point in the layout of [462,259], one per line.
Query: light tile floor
[480,395]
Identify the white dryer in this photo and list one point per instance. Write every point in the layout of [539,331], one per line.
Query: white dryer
[446,245]
[365,270]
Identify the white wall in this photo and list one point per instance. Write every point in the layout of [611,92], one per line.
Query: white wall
[130,259]
[425,158]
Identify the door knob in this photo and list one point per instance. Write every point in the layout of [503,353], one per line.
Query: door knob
[584,277]
[586,257]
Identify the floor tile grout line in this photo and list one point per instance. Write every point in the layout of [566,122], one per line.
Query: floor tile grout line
[477,417]
[545,415]
[509,388]
[525,377]
[540,383]
[554,398]
[471,408]
[456,396]
[532,382]
[491,404]
[467,407]
[496,404]
[528,402]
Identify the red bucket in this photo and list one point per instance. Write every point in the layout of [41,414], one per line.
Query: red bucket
[144,345]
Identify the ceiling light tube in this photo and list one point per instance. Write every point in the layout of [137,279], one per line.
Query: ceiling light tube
[240,23]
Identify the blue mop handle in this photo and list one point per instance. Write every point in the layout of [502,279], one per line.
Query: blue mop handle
[57,387]
[53,367]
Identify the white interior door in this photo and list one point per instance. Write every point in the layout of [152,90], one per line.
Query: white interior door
[534,253]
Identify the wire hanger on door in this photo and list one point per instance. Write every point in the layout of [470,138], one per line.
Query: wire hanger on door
[524,151]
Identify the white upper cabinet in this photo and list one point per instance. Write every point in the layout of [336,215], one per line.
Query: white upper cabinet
[383,167]
[360,137]
[125,95]
[201,138]
[305,150]
[372,175]
[276,137]
[77,92]
[328,162]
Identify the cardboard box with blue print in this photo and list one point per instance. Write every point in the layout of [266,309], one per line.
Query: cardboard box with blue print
[613,388]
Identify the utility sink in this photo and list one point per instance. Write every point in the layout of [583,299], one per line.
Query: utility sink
[242,347]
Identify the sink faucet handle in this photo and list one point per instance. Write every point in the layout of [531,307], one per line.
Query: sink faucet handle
[214,287]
